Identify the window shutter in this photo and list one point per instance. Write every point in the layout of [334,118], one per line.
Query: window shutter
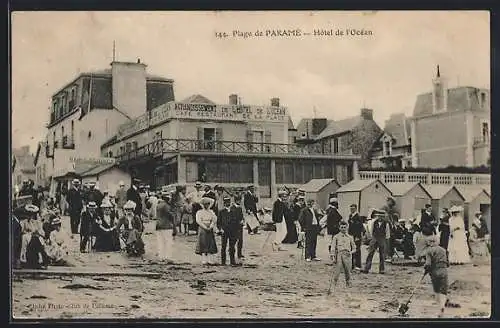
[267,140]
[200,139]
[250,139]
[218,138]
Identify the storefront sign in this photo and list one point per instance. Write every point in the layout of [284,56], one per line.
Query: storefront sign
[174,110]
[92,160]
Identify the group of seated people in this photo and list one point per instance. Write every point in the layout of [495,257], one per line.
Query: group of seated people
[38,238]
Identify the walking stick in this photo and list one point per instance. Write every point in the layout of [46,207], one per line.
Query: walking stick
[331,281]
[403,307]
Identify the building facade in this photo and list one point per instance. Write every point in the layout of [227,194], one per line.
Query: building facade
[451,126]
[229,144]
[23,167]
[355,135]
[392,150]
[88,111]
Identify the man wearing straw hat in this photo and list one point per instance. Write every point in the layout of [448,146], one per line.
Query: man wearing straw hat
[380,232]
[279,212]
[89,219]
[309,221]
[74,198]
[133,230]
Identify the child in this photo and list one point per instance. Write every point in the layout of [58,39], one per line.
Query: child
[341,251]
[436,265]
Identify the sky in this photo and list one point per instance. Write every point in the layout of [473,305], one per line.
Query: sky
[321,76]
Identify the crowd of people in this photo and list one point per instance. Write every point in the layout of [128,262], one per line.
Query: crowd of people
[109,223]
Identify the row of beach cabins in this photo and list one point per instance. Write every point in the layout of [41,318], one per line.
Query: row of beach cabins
[410,197]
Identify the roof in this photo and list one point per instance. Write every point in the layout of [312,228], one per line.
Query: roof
[315,185]
[305,126]
[438,191]
[399,128]
[23,158]
[402,188]
[97,169]
[459,99]
[197,99]
[338,127]
[469,193]
[358,185]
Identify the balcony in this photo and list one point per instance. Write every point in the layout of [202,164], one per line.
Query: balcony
[427,178]
[68,143]
[481,142]
[159,147]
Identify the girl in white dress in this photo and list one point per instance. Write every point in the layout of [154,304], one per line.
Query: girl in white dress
[206,245]
[457,247]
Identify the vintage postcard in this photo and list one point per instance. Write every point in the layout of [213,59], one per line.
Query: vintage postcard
[224,164]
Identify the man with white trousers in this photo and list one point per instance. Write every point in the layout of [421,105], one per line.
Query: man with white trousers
[279,212]
[165,228]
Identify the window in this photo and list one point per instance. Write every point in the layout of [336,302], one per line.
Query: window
[110,153]
[387,148]
[72,130]
[483,99]
[485,132]
[335,145]
[89,135]
[134,145]
[62,131]
[128,147]
[63,103]
[122,149]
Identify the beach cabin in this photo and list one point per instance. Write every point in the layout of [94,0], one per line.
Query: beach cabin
[366,194]
[320,190]
[410,198]
[443,196]
[476,199]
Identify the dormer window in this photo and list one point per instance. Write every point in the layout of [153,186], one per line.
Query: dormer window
[483,99]
[485,132]
[387,145]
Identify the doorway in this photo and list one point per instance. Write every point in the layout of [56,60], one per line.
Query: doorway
[208,138]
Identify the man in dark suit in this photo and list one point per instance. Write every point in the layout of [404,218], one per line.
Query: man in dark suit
[133,195]
[74,198]
[333,218]
[250,201]
[309,221]
[88,227]
[237,212]
[356,230]
[428,221]
[229,224]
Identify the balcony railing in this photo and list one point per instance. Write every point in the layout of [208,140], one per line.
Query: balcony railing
[481,141]
[158,147]
[427,178]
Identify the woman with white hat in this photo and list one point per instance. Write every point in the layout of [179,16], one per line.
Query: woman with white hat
[58,245]
[133,229]
[33,245]
[457,247]
[206,220]
[107,239]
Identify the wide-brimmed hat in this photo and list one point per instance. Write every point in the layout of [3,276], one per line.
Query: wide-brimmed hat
[379,212]
[197,184]
[301,191]
[226,199]
[267,209]
[478,213]
[301,197]
[121,183]
[129,205]
[31,209]
[92,205]
[455,209]
[353,205]
[55,220]
[106,204]
[207,200]
[75,182]
[282,192]
[333,200]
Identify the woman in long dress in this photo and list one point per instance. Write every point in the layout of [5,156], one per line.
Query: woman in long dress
[58,244]
[457,247]
[206,219]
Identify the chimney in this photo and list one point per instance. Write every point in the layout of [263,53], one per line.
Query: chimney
[367,114]
[233,99]
[275,102]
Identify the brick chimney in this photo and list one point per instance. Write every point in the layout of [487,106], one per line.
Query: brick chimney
[367,114]
[233,99]
[275,102]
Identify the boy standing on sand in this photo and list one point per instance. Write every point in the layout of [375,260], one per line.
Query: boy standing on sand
[341,250]
[436,264]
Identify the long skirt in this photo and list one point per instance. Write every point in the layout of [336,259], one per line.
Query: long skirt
[206,243]
[458,248]
[280,232]
[479,249]
[291,233]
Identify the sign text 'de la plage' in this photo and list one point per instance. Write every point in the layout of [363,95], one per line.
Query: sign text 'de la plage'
[204,111]
[92,160]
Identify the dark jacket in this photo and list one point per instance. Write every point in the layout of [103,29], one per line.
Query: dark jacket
[306,220]
[136,224]
[250,202]
[356,227]
[380,229]
[134,196]
[228,222]
[333,219]
[279,211]
[88,223]
[164,215]
[93,195]
[427,222]
[74,198]
[237,212]
[211,194]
